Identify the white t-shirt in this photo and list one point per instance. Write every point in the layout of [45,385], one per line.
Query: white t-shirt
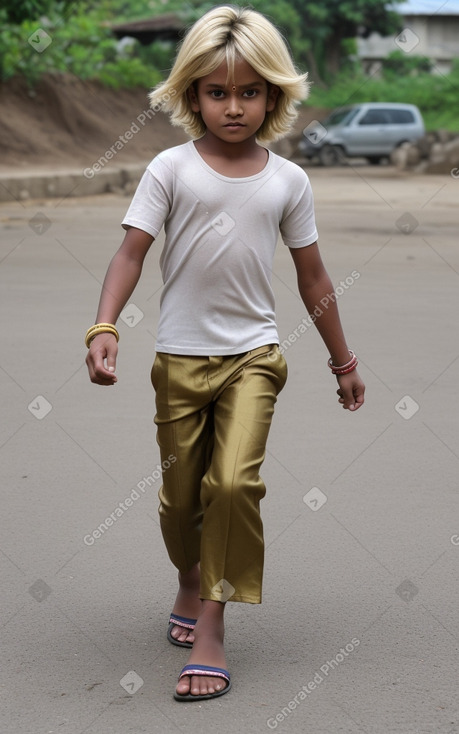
[221,234]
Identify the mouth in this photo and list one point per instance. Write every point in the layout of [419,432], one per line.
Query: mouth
[234,124]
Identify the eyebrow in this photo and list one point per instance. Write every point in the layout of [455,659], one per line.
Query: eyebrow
[243,86]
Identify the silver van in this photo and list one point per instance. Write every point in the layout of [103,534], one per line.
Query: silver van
[371,130]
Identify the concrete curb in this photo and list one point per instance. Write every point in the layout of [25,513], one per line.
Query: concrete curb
[68,183]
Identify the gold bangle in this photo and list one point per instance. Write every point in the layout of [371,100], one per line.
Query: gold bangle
[95,332]
[100,329]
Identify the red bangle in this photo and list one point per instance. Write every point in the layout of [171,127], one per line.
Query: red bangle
[345,372]
[344,368]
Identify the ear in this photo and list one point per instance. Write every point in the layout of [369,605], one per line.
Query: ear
[193,97]
[273,93]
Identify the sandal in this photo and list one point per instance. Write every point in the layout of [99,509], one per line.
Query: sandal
[176,621]
[203,670]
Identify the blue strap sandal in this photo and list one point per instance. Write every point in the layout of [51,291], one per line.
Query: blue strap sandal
[176,621]
[209,671]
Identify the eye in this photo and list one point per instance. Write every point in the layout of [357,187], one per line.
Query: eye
[251,93]
[217,94]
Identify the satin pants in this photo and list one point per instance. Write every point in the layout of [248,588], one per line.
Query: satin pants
[213,415]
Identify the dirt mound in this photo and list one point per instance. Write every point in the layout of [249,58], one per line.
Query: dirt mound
[66,122]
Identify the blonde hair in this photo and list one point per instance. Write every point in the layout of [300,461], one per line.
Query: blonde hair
[228,33]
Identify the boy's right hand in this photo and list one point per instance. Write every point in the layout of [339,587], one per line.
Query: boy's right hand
[101,359]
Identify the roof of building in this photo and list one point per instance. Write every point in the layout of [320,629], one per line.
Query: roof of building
[427,7]
[166,27]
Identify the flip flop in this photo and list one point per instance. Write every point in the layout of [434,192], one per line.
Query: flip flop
[176,621]
[203,670]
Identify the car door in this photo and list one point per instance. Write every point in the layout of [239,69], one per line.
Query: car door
[368,134]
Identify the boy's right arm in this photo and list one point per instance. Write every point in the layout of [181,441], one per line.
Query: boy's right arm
[122,276]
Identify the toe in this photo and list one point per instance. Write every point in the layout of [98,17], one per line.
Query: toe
[186,636]
[198,686]
[183,686]
[181,634]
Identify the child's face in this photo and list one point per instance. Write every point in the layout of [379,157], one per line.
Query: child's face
[233,112]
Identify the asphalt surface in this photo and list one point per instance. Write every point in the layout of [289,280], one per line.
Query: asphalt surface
[359,626]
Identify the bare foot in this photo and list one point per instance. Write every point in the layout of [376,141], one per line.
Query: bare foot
[207,650]
[187,603]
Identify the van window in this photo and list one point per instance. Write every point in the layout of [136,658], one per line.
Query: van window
[375,117]
[401,117]
[387,116]
[345,114]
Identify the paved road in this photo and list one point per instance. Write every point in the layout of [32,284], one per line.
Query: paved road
[359,627]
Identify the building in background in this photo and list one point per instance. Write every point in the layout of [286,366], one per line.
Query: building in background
[430,29]
[167,27]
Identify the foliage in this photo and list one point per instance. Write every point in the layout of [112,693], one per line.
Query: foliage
[320,34]
[158,55]
[16,12]
[329,23]
[81,44]
[435,94]
[316,32]
[400,63]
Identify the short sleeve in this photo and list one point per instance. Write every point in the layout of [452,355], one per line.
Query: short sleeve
[151,203]
[298,225]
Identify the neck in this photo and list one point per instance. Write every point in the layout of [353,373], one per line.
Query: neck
[211,145]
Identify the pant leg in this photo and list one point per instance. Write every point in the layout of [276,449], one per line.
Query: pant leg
[184,430]
[232,546]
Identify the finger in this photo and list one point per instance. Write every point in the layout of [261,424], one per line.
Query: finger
[347,399]
[105,374]
[105,377]
[359,398]
[98,372]
[103,352]
[110,359]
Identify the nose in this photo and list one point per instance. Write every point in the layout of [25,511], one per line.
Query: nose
[233,107]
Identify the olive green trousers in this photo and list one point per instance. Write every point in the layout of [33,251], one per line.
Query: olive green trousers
[213,415]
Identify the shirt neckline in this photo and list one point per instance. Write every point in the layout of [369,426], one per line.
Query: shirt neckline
[232,179]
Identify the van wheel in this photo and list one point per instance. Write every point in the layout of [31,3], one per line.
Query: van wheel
[331,155]
[375,160]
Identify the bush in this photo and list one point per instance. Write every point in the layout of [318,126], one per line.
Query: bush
[399,63]
[435,95]
[80,44]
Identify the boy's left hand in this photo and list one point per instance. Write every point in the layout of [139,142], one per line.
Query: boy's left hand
[351,391]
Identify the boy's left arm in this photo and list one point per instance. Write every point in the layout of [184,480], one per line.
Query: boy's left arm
[316,291]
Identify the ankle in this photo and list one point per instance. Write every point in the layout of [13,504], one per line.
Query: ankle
[212,616]
[190,579]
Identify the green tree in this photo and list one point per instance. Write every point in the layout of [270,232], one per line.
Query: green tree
[16,11]
[328,23]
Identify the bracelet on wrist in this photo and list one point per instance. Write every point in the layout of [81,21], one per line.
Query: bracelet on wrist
[100,329]
[344,369]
